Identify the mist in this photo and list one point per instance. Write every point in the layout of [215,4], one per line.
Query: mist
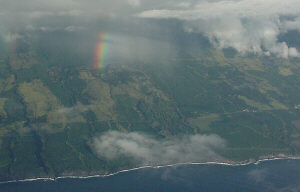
[245,25]
[147,149]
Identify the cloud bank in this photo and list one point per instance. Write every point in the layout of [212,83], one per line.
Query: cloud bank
[142,147]
[249,26]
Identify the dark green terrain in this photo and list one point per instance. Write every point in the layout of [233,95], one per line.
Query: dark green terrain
[52,103]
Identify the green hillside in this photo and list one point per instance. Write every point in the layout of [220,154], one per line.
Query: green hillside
[53,104]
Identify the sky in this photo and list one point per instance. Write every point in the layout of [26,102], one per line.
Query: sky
[249,26]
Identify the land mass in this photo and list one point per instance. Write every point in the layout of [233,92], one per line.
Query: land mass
[52,105]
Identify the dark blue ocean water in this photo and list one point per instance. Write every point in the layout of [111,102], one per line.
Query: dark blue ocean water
[277,175]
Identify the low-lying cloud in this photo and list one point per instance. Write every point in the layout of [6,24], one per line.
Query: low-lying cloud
[249,26]
[145,148]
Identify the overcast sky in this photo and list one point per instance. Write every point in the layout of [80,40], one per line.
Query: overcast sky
[249,26]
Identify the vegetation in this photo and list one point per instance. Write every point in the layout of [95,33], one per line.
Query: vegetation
[52,105]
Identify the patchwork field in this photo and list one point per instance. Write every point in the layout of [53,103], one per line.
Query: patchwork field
[51,109]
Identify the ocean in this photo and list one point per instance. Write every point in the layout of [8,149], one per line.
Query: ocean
[266,176]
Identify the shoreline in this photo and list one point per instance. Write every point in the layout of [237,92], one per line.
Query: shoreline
[231,164]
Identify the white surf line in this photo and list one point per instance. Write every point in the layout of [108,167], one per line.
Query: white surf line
[152,167]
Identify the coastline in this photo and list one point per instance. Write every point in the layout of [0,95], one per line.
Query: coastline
[229,163]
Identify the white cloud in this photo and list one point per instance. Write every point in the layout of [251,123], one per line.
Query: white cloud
[250,26]
[184,4]
[134,3]
[292,24]
[293,52]
[113,144]
[246,25]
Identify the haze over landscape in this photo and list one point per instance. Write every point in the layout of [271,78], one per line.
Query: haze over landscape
[92,87]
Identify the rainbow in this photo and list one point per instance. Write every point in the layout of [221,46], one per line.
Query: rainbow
[101,51]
